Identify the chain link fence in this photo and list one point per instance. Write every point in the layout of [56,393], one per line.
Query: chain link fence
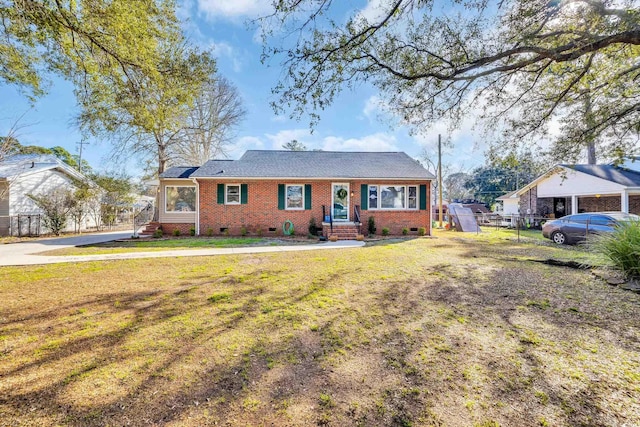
[27,225]
[488,221]
[31,225]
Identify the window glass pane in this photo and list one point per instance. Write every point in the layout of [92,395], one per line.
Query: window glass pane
[180,199]
[413,197]
[373,196]
[233,194]
[600,220]
[580,218]
[392,197]
[294,197]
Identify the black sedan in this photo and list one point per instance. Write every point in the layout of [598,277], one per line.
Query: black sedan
[575,228]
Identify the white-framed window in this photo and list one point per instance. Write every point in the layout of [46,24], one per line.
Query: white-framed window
[373,197]
[412,197]
[232,194]
[393,197]
[179,198]
[294,197]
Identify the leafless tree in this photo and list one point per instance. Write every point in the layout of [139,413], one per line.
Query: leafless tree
[8,143]
[210,125]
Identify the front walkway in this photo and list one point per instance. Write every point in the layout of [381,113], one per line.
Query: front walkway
[24,253]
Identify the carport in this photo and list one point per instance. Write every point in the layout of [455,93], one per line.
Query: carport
[568,189]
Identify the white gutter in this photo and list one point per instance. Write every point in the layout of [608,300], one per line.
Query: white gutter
[195,181]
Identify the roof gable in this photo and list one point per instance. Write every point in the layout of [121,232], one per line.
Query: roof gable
[599,174]
[13,167]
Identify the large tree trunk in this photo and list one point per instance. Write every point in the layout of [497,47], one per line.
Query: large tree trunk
[590,138]
[162,156]
[591,153]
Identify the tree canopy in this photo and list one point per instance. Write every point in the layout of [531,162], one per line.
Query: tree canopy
[148,119]
[133,70]
[82,39]
[502,173]
[294,145]
[522,62]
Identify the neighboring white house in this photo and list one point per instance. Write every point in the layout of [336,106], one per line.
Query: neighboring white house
[569,189]
[32,174]
[510,204]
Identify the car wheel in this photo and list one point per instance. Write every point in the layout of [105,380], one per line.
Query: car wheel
[559,237]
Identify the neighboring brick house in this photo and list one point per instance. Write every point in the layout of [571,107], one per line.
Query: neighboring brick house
[570,189]
[263,190]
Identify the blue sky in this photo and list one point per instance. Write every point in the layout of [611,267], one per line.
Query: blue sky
[352,123]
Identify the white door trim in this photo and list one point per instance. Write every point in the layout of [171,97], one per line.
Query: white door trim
[333,201]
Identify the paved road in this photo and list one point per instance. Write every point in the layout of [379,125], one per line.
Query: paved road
[23,253]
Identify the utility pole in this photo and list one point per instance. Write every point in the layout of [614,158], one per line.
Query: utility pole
[81,143]
[439,181]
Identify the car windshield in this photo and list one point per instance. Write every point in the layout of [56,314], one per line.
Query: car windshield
[622,216]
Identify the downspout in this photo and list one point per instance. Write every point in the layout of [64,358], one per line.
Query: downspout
[195,181]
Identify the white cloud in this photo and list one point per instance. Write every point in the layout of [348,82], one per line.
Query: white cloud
[373,10]
[288,135]
[373,107]
[243,144]
[183,10]
[463,146]
[233,9]
[224,49]
[280,118]
[374,142]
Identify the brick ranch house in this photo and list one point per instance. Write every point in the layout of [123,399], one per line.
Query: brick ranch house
[265,189]
[571,189]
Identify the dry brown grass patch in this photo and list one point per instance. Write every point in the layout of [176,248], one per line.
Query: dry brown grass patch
[417,332]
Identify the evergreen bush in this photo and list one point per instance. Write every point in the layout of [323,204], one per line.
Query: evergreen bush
[621,248]
[371,226]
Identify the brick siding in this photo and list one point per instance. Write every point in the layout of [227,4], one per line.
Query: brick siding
[529,200]
[634,204]
[610,203]
[599,204]
[169,228]
[261,213]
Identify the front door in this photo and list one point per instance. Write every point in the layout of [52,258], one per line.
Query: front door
[340,202]
[559,207]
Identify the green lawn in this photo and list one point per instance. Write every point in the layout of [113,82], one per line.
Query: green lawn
[448,331]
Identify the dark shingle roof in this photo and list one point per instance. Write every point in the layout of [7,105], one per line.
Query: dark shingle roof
[315,164]
[622,176]
[179,172]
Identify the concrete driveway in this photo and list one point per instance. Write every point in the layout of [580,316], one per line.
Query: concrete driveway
[20,253]
[23,253]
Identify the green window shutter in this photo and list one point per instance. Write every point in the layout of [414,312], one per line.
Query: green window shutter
[243,194]
[364,197]
[307,196]
[281,196]
[423,197]
[221,194]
